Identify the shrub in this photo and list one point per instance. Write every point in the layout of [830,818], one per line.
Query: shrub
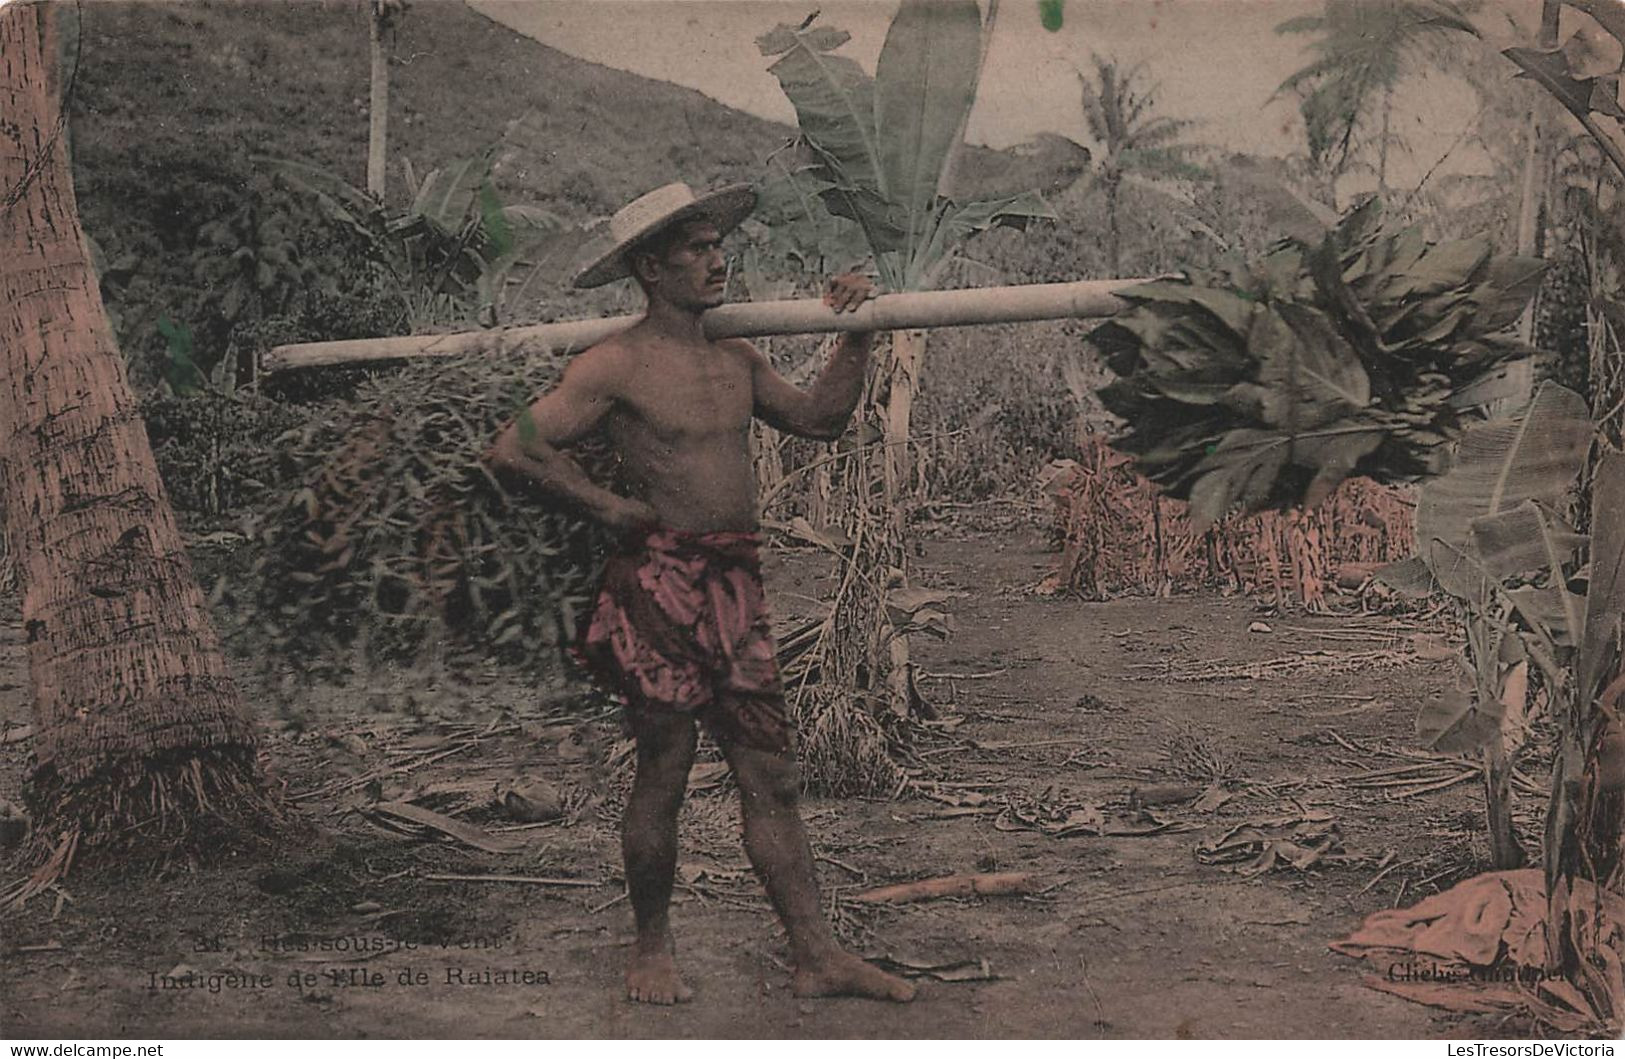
[217,452]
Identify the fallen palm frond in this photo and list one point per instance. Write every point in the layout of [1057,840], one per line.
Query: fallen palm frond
[396,535]
[1300,842]
[467,834]
[1302,663]
[1120,535]
[149,809]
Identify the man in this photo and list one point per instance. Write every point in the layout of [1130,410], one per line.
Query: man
[680,629]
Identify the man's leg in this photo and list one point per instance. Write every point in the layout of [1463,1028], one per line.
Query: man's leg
[665,745]
[770,790]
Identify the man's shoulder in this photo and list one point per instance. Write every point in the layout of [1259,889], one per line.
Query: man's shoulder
[606,362]
[741,348]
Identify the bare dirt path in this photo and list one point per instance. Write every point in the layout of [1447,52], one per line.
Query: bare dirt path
[1056,714]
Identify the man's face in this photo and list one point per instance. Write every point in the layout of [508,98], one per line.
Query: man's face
[692,273]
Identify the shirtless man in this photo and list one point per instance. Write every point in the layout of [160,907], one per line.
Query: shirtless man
[680,630]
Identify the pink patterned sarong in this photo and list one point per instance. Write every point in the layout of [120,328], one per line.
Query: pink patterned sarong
[681,625]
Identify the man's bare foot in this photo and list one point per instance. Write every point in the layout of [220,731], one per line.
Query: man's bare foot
[843,974]
[652,978]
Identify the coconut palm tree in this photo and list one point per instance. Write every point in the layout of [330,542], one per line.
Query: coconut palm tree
[1119,108]
[142,735]
[1363,51]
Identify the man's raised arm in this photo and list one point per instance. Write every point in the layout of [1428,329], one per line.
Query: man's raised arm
[823,410]
[567,413]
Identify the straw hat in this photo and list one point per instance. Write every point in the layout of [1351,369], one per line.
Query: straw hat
[645,216]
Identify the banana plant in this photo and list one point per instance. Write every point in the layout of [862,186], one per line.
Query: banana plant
[877,153]
[880,147]
[1491,532]
[456,239]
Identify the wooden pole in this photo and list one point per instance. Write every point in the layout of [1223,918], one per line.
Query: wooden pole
[1084,299]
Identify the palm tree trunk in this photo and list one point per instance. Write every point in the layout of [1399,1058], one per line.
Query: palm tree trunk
[1382,142]
[1114,236]
[141,733]
[377,105]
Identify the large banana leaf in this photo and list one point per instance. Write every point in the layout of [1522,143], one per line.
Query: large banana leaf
[1459,721]
[799,227]
[883,224]
[1524,539]
[834,101]
[449,193]
[883,145]
[1016,211]
[1530,540]
[928,257]
[925,83]
[1541,612]
[1500,465]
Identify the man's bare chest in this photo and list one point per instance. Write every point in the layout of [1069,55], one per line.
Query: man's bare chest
[681,399]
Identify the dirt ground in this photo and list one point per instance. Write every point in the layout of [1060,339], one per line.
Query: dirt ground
[1057,716]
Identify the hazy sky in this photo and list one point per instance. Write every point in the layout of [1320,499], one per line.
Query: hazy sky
[1215,60]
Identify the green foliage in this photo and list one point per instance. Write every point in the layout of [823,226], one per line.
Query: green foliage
[250,259]
[794,237]
[223,252]
[881,146]
[180,372]
[1604,625]
[1263,385]
[1481,507]
[216,451]
[393,533]
[452,253]
[1364,49]
[1491,532]
[998,409]
[1118,106]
